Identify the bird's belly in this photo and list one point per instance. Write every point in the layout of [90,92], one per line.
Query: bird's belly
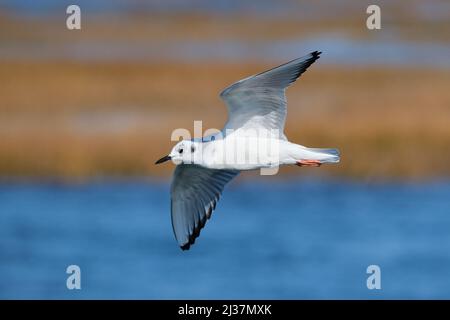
[244,154]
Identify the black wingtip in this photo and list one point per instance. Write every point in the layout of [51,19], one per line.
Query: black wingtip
[316,54]
[185,247]
[196,233]
[193,236]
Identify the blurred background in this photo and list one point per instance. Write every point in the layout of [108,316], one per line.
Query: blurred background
[85,113]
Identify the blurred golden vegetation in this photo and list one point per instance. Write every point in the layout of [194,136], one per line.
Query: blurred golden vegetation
[407,18]
[75,119]
[81,119]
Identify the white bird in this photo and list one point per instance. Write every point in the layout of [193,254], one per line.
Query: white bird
[256,110]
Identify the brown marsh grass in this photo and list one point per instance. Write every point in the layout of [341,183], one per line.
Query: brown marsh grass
[65,119]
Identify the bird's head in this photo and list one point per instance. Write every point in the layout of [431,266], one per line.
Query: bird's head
[185,151]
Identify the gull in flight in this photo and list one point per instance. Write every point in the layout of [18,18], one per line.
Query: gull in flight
[256,110]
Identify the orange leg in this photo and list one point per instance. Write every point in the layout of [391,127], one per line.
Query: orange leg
[308,163]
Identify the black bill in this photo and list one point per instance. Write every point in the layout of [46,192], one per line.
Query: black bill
[163,159]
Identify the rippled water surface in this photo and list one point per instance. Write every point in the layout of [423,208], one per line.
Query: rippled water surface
[267,239]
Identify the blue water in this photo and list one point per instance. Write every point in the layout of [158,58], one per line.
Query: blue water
[267,239]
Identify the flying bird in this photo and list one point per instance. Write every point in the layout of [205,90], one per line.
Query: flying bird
[257,109]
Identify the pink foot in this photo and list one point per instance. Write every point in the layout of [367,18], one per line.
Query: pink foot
[308,163]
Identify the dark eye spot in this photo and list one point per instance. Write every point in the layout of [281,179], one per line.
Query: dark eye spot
[180,151]
[192,149]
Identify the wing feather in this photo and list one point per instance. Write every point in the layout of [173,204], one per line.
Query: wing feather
[259,101]
[194,193]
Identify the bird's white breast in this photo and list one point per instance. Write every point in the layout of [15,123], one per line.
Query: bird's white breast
[241,153]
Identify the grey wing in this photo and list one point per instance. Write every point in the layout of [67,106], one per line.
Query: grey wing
[259,101]
[194,194]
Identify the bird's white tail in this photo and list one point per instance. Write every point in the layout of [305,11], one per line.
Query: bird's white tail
[326,155]
[302,155]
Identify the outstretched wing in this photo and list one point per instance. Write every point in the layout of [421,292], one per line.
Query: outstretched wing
[194,193]
[259,101]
